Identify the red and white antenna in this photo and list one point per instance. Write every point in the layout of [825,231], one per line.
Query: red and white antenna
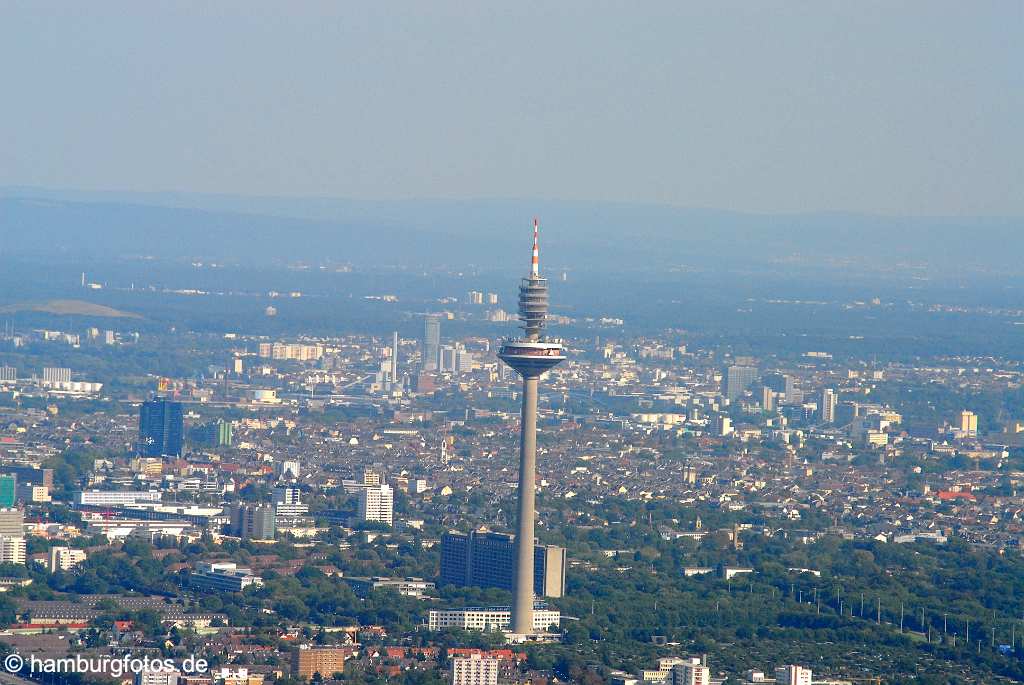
[535,261]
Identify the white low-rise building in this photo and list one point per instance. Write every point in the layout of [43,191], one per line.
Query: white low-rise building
[489,618]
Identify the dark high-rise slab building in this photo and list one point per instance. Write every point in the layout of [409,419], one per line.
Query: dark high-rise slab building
[431,347]
[484,559]
[161,428]
[31,475]
[255,521]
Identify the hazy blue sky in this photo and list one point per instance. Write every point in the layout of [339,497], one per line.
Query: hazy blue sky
[896,107]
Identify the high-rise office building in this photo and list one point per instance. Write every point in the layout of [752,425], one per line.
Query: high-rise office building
[738,379]
[8,374]
[161,427]
[968,423]
[394,357]
[376,503]
[828,405]
[431,348]
[447,358]
[767,399]
[30,474]
[482,558]
[256,521]
[784,386]
[288,502]
[12,523]
[464,361]
[530,356]
[213,434]
[8,490]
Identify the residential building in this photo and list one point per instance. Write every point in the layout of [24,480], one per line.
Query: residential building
[308,660]
[65,558]
[828,405]
[792,675]
[33,493]
[691,674]
[474,669]
[12,550]
[376,503]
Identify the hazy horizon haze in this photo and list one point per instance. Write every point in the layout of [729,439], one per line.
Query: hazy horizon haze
[796,107]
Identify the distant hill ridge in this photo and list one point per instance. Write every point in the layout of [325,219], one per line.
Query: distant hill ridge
[69,307]
[485,232]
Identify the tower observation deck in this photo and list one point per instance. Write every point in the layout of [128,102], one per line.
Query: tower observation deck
[530,356]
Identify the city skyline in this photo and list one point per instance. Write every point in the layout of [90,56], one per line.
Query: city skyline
[280,406]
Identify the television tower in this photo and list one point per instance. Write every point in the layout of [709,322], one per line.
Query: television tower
[529,356]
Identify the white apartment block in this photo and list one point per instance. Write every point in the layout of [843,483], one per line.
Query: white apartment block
[12,550]
[296,351]
[474,670]
[115,498]
[377,504]
[65,558]
[488,619]
[52,374]
[792,675]
[691,674]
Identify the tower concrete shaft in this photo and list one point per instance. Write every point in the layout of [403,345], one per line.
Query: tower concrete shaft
[522,608]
